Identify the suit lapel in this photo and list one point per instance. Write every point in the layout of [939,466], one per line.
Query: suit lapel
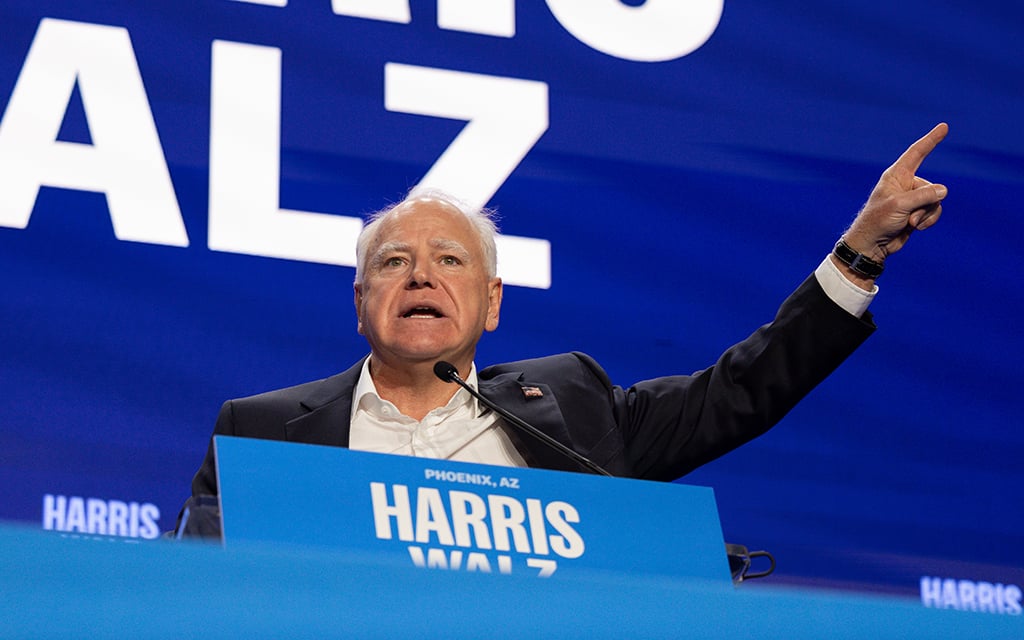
[329,409]
[510,392]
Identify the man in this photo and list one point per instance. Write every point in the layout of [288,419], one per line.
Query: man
[426,290]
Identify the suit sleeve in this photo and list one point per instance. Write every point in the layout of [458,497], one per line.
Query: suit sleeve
[675,424]
[205,480]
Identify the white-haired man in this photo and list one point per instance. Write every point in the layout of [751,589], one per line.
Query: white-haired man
[426,290]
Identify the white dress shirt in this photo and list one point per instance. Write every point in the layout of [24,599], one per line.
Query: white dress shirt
[461,430]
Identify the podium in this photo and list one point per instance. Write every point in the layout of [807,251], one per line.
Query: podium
[438,514]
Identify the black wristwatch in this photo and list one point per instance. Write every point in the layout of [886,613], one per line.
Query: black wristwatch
[858,262]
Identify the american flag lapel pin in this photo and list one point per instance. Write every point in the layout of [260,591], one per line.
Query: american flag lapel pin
[533,392]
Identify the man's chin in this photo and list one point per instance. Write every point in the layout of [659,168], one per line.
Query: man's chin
[423,355]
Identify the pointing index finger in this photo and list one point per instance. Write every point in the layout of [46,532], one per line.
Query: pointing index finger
[912,158]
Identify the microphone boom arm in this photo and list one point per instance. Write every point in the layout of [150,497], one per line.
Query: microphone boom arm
[447,372]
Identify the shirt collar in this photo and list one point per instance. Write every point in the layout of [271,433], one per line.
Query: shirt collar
[365,395]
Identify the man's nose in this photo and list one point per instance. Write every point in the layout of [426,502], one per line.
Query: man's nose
[421,276]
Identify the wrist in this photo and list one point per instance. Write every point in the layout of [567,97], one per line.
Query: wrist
[859,281]
[860,266]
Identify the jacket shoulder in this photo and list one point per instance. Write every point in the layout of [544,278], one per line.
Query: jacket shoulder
[558,364]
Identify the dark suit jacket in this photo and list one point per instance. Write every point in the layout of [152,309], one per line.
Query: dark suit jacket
[658,429]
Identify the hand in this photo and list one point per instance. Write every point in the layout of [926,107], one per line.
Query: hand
[900,203]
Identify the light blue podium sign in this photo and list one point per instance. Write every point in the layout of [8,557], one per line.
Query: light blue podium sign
[466,517]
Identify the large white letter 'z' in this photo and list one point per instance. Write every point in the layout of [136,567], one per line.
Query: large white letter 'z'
[506,117]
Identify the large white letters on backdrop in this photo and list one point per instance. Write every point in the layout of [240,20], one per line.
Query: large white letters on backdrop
[505,118]
[125,160]
[488,17]
[655,31]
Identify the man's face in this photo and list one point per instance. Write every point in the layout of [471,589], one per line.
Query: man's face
[425,294]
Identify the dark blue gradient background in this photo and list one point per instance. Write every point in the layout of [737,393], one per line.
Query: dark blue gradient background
[683,201]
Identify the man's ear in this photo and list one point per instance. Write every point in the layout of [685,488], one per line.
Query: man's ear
[494,293]
[358,300]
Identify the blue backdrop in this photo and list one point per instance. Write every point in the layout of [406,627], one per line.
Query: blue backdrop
[685,182]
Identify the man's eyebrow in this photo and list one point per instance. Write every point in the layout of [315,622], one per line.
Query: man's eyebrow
[392,247]
[385,249]
[444,244]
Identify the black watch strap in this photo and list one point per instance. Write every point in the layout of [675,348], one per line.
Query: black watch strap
[858,262]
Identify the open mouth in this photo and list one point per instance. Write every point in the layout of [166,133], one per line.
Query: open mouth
[423,312]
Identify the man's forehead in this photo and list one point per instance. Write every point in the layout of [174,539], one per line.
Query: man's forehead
[409,217]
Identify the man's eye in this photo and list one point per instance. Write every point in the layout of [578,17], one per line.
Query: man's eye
[393,262]
[450,261]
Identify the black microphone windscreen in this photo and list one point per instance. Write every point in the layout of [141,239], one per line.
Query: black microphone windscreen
[446,371]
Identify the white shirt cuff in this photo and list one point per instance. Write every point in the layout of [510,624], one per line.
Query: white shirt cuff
[847,295]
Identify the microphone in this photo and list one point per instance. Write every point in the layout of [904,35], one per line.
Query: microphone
[446,371]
